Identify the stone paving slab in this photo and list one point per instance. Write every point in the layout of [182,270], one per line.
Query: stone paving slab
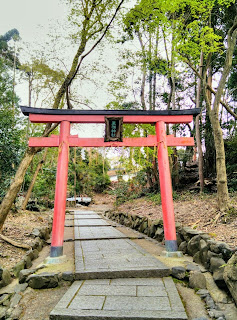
[90,222]
[100,232]
[87,216]
[81,212]
[115,258]
[119,299]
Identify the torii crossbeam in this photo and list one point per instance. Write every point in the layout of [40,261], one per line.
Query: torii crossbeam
[65,140]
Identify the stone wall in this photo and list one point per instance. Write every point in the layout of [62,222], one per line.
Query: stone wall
[213,255]
[40,236]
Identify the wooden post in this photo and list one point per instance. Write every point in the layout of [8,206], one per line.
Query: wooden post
[60,191]
[166,189]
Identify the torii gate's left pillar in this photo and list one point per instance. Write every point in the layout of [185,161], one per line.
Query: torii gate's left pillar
[60,191]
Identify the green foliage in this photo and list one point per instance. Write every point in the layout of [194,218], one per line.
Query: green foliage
[121,192]
[11,147]
[45,184]
[155,198]
[11,127]
[129,190]
[91,172]
[6,52]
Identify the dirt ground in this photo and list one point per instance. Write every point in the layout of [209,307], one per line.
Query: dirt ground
[193,210]
[18,227]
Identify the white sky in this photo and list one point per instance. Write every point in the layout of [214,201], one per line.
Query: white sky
[33,19]
[27,15]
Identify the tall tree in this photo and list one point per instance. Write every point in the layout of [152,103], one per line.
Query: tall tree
[194,34]
[92,19]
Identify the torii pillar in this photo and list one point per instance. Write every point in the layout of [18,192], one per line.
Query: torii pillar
[166,189]
[60,191]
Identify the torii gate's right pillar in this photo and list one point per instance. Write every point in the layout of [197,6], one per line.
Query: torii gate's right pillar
[166,189]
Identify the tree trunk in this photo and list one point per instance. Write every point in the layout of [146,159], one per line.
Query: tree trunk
[142,94]
[16,185]
[197,129]
[200,154]
[40,164]
[222,189]
[210,158]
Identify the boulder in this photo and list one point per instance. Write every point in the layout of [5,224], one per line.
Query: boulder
[211,254]
[143,225]
[225,250]
[24,274]
[178,272]
[197,280]
[179,238]
[68,276]
[35,254]
[43,280]
[30,254]
[36,232]
[216,263]
[210,302]
[16,298]
[203,293]
[217,267]
[197,258]
[152,230]
[5,278]
[28,262]
[20,287]
[183,246]
[203,247]
[193,245]
[18,267]
[192,267]
[221,248]
[159,235]
[230,276]
[189,233]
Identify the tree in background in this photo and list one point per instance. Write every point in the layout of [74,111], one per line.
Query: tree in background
[92,21]
[11,132]
[189,29]
[90,168]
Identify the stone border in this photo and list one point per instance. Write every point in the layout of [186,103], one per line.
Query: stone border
[11,295]
[41,236]
[213,255]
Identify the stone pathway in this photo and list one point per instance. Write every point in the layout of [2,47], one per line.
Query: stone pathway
[117,279]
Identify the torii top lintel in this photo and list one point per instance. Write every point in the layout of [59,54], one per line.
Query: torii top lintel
[38,115]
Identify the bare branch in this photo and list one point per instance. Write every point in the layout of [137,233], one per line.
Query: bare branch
[225,105]
[97,42]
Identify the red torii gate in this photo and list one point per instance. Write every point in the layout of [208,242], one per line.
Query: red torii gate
[65,140]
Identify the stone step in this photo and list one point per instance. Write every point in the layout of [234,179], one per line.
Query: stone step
[96,259]
[120,299]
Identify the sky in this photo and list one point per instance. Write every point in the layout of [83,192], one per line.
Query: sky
[34,19]
[28,15]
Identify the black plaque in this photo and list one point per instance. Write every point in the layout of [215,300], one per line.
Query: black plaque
[113,129]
